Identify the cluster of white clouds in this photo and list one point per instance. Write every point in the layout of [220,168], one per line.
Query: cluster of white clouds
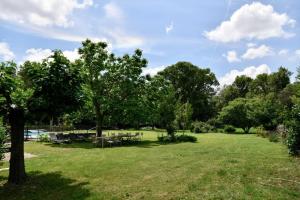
[40,12]
[56,19]
[253,52]
[5,53]
[252,21]
[255,21]
[37,55]
[251,71]
[152,71]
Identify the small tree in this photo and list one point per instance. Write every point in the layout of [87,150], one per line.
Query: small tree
[240,113]
[184,114]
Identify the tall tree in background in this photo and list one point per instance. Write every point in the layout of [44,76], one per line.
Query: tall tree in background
[57,86]
[193,85]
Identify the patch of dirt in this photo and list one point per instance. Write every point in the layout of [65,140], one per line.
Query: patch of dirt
[26,156]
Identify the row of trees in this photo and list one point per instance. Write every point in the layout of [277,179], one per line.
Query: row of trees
[110,91]
[100,87]
[267,101]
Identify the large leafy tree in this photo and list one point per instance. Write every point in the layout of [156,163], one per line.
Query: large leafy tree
[57,86]
[114,83]
[240,113]
[14,98]
[193,85]
[50,88]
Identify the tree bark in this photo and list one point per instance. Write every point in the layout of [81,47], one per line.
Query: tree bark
[17,173]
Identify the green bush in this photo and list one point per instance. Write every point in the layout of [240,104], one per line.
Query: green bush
[273,137]
[180,138]
[186,138]
[229,129]
[43,138]
[293,141]
[201,127]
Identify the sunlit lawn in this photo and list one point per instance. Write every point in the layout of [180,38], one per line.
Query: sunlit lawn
[218,166]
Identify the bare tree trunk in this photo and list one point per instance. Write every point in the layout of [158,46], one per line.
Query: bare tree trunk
[17,173]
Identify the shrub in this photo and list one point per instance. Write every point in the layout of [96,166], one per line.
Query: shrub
[3,137]
[186,138]
[273,137]
[200,127]
[180,138]
[229,129]
[43,138]
[293,142]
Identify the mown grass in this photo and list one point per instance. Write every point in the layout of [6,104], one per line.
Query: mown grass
[218,166]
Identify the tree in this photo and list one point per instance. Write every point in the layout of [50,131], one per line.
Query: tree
[57,85]
[260,85]
[184,115]
[114,82]
[52,88]
[193,85]
[96,60]
[240,113]
[279,80]
[14,97]
[242,85]
[167,111]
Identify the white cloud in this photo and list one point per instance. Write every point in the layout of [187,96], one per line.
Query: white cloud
[249,45]
[41,13]
[37,55]
[153,70]
[251,71]
[283,52]
[252,21]
[257,52]
[232,56]
[72,55]
[113,11]
[5,53]
[169,28]
[297,53]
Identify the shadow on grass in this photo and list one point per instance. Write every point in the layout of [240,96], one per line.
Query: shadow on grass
[90,145]
[45,186]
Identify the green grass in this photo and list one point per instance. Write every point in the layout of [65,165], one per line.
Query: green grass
[218,166]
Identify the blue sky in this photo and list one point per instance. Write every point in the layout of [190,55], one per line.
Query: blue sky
[232,37]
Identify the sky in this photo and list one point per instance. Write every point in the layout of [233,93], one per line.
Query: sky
[231,37]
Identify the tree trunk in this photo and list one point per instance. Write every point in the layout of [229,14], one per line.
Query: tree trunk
[17,173]
[99,120]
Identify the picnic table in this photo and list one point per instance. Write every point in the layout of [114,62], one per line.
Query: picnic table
[119,138]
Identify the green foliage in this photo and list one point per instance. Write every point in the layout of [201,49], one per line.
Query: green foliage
[229,129]
[179,138]
[293,139]
[3,137]
[43,138]
[201,127]
[193,85]
[240,113]
[184,115]
[273,137]
[57,86]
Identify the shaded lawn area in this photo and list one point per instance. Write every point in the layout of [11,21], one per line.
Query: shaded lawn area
[218,166]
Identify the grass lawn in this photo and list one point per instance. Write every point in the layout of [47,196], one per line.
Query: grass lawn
[218,166]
